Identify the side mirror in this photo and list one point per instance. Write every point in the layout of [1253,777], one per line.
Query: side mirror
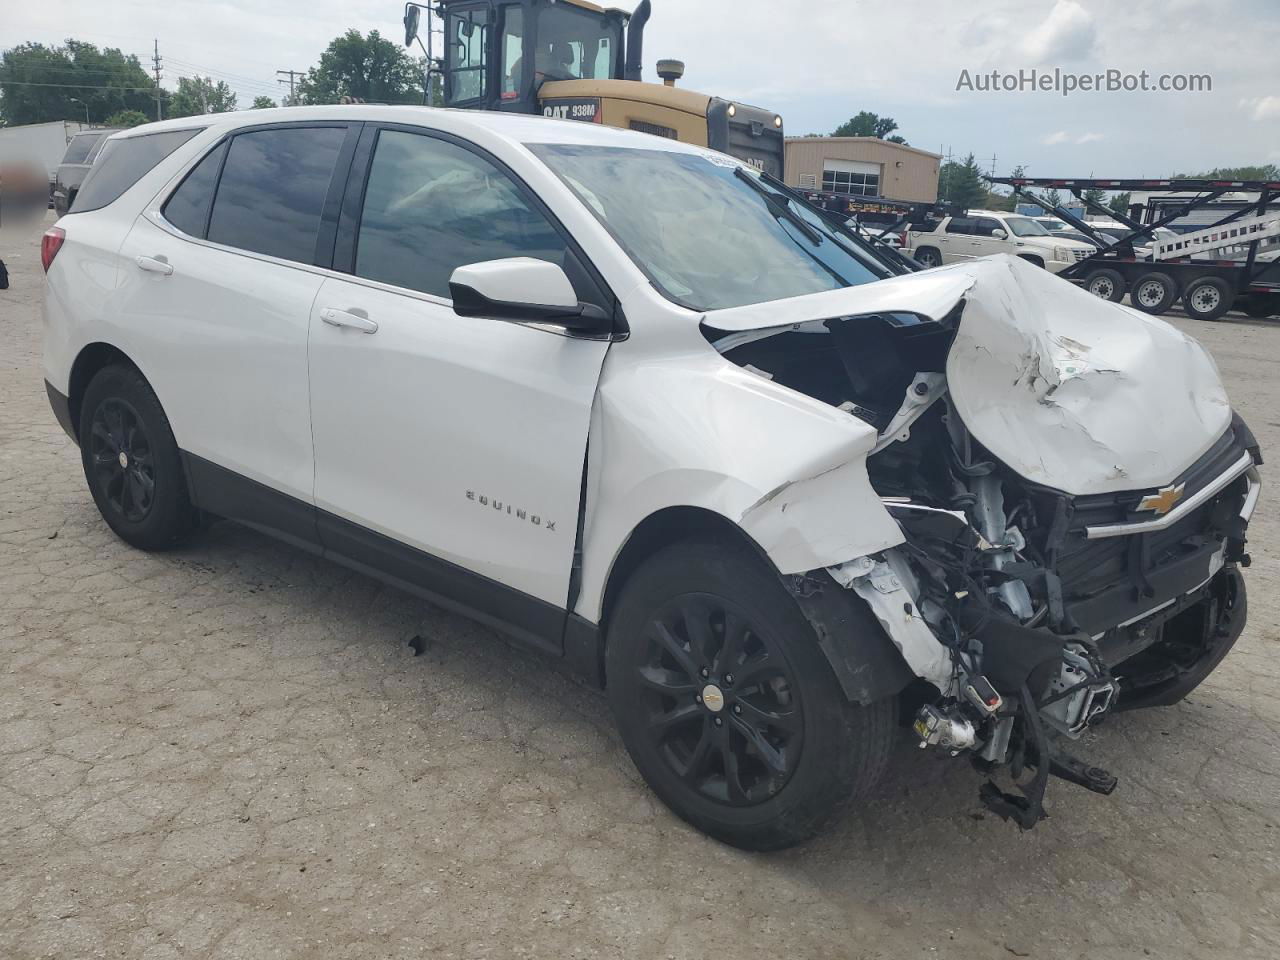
[412,15]
[522,289]
[998,233]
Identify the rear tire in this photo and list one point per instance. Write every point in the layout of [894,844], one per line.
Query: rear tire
[1106,284]
[727,705]
[927,257]
[131,461]
[1208,298]
[1153,293]
[1260,307]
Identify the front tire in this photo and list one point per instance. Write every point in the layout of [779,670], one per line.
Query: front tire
[927,257]
[131,461]
[1106,284]
[727,705]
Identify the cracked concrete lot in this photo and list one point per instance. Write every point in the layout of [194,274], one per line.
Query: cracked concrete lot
[231,751]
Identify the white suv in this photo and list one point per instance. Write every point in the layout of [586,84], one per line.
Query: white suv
[980,233]
[641,408]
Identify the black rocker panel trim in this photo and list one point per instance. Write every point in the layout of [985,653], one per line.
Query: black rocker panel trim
[228,494]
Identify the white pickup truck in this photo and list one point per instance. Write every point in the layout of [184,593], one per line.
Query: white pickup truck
[979,233]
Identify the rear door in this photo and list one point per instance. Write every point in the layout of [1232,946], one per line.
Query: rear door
[449,450]
[219,279]
[954,239]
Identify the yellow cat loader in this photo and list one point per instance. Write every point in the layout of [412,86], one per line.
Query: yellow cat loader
[575,60]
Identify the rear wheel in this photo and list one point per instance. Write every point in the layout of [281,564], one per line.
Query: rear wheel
[1106,284]
[927,257]
[131,461]
[728,707]
[1207,298]
[1153,293]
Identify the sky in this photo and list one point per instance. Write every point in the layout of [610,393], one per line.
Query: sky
[821,61]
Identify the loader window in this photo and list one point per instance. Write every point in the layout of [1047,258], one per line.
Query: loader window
[576,44]
[708,233]
[466,32]
[512,52]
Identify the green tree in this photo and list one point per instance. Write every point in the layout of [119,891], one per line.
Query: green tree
[40,83]
[1053,198]
[127,118]
[371,69]
[1094,195]
[868,124]
[1119,204]
[962,183]
[263,103]
[1267,171]
[200,95]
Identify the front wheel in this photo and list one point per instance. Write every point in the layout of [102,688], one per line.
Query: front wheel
[1106,284]
[1153,293]
[727,705]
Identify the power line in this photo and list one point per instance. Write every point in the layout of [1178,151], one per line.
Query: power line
[76,86]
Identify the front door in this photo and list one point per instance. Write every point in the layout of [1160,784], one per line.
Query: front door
[449,450]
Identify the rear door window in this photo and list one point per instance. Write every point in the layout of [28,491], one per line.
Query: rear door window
[960,225]
[432,206]
[273,189]
[79,147]
[123,163]
[188,208]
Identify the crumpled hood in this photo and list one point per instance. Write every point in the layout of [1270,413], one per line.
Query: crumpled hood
[1068,390]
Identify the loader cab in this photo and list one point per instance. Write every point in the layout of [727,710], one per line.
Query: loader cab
[497,55]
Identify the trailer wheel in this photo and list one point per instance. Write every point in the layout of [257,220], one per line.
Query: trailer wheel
[927,257]
[1153,293]
[1207,298]
[1106,284]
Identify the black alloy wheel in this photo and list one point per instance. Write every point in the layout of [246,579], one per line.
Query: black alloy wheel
[722,709]
[123,468]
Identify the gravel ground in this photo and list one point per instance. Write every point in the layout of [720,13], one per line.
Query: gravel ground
[231,751]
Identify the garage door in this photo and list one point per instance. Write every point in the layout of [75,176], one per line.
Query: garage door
[852,177]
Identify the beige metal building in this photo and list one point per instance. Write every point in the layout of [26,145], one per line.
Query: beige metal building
[862,166]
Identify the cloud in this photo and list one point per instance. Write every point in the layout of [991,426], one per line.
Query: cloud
[1068,33]
[1262,108]
[1061,136]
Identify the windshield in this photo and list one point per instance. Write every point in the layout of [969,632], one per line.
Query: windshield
[708,232]
[1026,227]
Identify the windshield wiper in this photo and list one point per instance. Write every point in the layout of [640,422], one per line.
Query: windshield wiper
[780,206]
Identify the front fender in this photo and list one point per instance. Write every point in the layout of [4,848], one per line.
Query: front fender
[697,431]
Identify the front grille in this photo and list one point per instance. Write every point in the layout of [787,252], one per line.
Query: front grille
[1081,254]
[1089,568]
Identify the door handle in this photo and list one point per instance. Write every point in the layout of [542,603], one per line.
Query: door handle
[155,265]
[345,318]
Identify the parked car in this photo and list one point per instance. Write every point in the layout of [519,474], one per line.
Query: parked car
[643,409]
[980,233]
[82,151]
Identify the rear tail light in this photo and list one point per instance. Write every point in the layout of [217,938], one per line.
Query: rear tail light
[50,244]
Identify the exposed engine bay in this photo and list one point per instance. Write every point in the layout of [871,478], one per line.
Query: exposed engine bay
[1029,613]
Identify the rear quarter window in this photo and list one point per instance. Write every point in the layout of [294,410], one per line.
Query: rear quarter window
[123,163]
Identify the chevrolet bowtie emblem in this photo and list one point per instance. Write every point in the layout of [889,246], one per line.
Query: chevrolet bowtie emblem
[1162,500]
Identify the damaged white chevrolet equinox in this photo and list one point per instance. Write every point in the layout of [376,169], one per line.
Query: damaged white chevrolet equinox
[640,407]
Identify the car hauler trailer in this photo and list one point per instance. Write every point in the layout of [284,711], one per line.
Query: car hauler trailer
[1227,264]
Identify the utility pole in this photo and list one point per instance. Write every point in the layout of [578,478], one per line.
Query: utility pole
[155,61]
[292,75]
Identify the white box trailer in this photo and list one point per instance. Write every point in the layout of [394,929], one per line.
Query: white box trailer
[37,144]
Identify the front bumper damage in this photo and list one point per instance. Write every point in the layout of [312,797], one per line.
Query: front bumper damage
[1166,605]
